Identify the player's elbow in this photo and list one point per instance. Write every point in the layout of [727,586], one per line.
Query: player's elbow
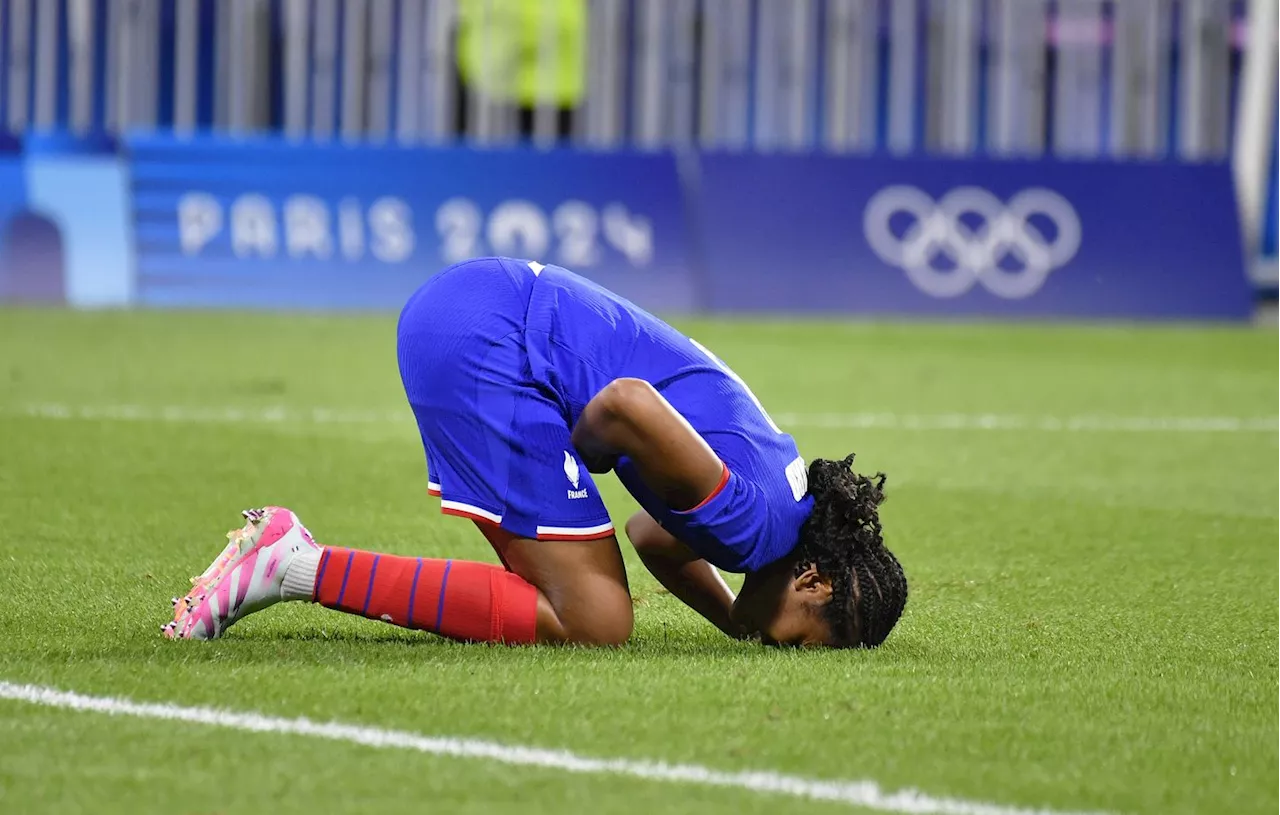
[624,398]
[613,414]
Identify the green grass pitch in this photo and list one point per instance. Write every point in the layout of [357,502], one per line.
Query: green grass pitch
[1092,622]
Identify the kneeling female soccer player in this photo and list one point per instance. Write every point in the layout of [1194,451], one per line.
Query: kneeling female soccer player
[525,379]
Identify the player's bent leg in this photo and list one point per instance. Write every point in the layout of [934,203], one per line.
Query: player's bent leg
[555,592]
[583,596]
[273,558]
[459,599]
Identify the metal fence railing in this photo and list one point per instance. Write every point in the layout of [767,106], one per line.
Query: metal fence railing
[1079,78]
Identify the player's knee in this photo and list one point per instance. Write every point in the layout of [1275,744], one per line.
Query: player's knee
[606,623]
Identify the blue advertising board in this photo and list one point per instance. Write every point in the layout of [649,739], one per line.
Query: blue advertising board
[276,224]
[878,236]
[222,222]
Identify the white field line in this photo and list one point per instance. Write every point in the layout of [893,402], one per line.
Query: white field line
[859,793]
[834,421]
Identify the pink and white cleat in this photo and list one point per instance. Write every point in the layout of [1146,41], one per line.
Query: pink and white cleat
[245,578]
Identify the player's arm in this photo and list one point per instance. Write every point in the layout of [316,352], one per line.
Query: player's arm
[630,418]
[690,578]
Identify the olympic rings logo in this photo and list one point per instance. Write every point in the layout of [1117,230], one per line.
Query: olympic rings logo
[970,236]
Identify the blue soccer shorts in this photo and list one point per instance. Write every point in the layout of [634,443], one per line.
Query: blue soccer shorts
[498,445]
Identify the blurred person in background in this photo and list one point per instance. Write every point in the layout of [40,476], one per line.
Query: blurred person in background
[523,54]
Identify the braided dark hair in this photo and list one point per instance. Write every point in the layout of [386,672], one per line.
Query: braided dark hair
[842,540]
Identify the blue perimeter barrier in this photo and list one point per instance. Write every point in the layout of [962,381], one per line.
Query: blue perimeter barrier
[220,222]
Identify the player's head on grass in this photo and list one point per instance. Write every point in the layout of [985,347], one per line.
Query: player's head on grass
[841,587]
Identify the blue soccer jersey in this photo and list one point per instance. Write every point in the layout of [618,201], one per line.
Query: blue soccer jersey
[499,359]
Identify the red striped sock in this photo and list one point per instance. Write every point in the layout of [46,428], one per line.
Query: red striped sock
[456,598]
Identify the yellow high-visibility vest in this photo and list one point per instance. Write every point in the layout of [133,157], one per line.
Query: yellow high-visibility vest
[499,43]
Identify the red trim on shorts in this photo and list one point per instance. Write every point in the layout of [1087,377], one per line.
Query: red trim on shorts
[590,536]
[724,479]
[462,513]
[434,493]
